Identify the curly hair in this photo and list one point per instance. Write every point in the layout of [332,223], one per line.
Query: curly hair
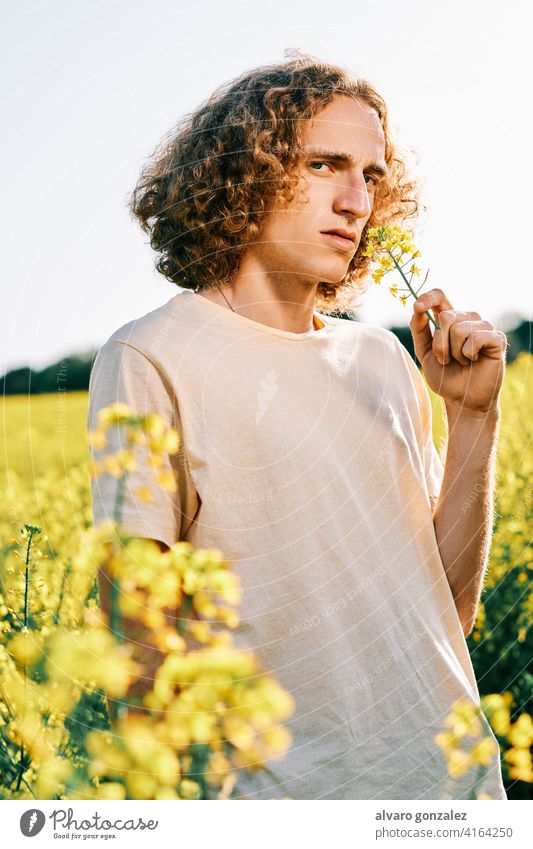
[210,182]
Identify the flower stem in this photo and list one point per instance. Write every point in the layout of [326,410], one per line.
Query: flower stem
[31,531]
[200,757]
[114,611]
[119,499]
[414,294]
[114,617]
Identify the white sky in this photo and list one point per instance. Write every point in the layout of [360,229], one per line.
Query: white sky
[89,89]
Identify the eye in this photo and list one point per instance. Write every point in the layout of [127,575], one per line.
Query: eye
[318,162]
[372,178]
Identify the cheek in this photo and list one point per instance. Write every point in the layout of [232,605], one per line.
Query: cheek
[307,214]
[312,194]
[318,211]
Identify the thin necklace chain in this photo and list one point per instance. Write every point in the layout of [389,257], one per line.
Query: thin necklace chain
[223,295]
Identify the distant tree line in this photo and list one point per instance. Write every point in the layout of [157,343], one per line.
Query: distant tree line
[72,373]
[67,375]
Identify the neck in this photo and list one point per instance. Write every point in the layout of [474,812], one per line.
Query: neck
[269,300]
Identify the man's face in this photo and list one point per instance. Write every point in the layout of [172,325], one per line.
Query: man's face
[340,195]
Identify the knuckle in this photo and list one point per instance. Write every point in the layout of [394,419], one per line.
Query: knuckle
[446,315]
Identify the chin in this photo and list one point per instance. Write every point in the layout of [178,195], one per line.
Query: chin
[334,277]
[331,268]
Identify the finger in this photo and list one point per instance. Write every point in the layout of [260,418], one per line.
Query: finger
[434,299]
[490,343]
[441,340]
[421,333]
[420,323]
[459,332]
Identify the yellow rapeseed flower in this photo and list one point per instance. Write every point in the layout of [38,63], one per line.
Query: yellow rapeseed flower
[97,439]
[387,246]
[144,493]
[189,789]
[521,733]
[154,425]
[167,480]
[483,751]
[114,414]
[26,647]
[458,762]
[500,721]
[111,790]
[521,766]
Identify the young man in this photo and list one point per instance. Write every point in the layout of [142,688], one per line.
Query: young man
[307,455]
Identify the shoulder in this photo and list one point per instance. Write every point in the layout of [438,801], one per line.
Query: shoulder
[148,334]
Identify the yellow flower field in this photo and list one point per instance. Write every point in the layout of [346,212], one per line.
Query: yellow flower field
[210,711]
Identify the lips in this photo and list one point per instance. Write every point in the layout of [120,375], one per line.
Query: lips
[340,239]
[343,233]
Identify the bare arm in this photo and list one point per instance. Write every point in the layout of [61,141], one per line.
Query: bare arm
[464,363]
[463,514]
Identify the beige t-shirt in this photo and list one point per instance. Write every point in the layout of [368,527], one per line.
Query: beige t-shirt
[308,460]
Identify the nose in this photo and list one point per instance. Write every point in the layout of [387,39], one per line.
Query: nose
[353,199]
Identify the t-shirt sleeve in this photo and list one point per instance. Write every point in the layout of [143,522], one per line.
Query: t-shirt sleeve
[123,374]
[433,465]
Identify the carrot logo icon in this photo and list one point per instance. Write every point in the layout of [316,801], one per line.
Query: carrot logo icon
[268,388]
[32,822]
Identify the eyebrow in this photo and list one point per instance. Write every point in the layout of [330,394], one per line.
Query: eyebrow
[341,156]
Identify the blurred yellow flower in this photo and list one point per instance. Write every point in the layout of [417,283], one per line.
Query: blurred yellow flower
[167,480]
[97,439]
[113,414]
[189,789]
[521,733]
[144,493]
[26,647]
[483,751]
